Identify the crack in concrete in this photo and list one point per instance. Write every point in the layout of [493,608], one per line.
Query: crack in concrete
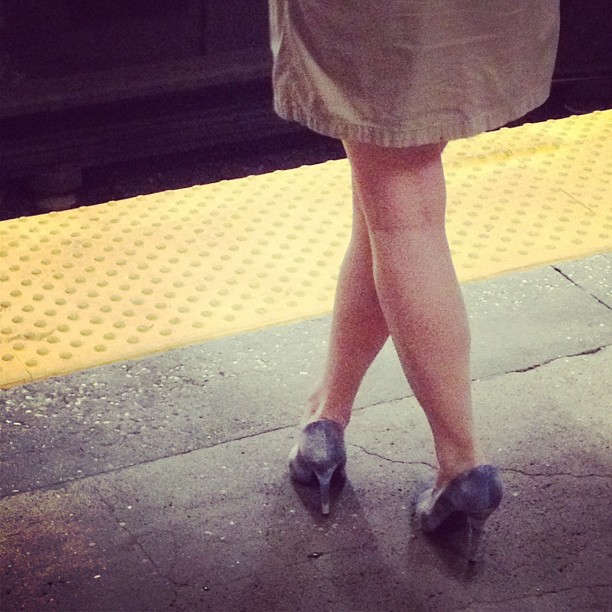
[134,539]
[513,470]
[478,602]
[571,280]
[493,376]
[536,366]
[66,481]
[58,484]
[124,527]
[393,400]
[373,454]
[553,474]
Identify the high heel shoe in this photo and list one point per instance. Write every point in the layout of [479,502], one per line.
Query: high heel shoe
[319,454]
[472,496]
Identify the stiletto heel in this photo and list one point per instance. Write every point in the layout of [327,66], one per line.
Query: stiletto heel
[472,496]
[475,528]
[324,486]
[318,455]
[476,524]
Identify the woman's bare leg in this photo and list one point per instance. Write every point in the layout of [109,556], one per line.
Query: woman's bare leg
[403,197]
[358,329]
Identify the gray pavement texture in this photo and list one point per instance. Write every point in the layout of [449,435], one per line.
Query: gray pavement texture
[161,484]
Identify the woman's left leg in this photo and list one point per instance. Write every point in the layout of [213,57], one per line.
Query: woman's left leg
[358,329]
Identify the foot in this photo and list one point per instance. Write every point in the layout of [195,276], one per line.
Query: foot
[473,496]
[318,455]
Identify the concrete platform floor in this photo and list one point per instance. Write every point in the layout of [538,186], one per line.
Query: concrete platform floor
[161,484]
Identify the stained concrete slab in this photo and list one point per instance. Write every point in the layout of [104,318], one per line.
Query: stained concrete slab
[56,547]
[129,413]
[524,319]
[222,528]
[161,483]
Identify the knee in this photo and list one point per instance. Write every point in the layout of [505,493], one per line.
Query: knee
[367,158]
[399,189]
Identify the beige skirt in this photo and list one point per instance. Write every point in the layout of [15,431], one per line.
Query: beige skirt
[402,73]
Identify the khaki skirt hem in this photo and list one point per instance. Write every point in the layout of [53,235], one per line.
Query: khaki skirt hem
[398,136]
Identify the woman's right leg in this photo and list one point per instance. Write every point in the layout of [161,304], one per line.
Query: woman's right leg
[403,197]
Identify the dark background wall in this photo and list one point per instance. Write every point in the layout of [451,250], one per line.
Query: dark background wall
[85,84]
[585,46]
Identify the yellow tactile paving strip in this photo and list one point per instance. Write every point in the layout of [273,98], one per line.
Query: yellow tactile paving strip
[129,278]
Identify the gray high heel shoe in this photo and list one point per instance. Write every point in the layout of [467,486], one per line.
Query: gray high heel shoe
[472,496]
[319,453]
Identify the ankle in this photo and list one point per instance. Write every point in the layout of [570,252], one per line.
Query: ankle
[317,409]
[322,415]
[449,470]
